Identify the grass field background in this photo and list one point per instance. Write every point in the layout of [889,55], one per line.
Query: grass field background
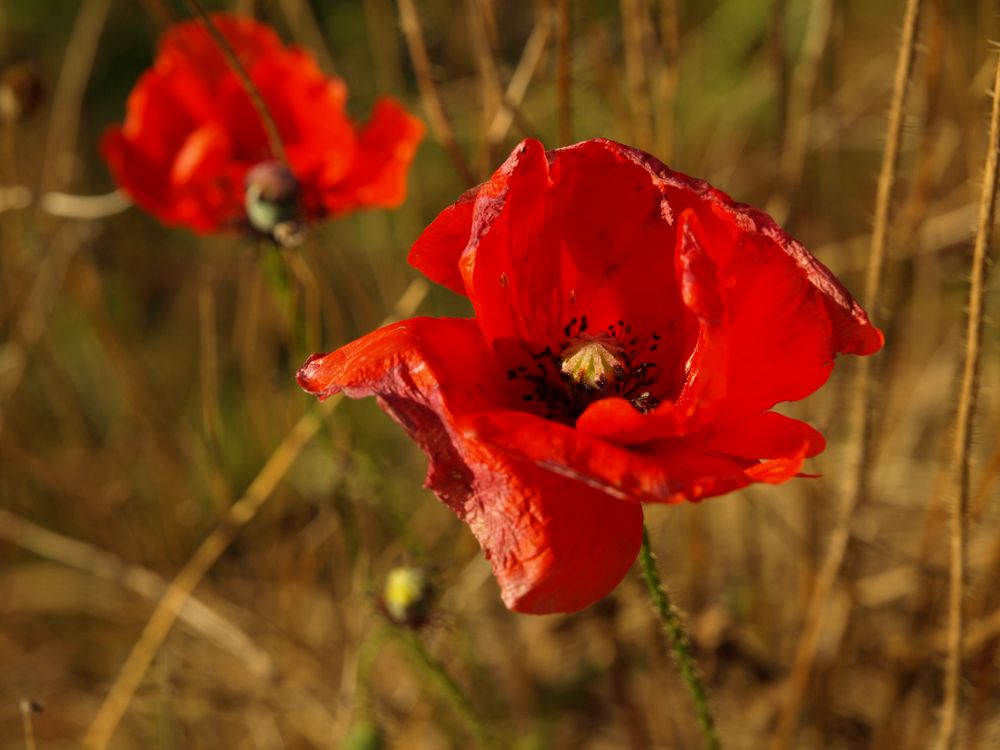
[147,374]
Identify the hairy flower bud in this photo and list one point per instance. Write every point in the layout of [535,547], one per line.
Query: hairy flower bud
[407,596]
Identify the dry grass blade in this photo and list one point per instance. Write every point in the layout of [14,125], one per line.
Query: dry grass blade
[799,115]
[57,162]
[666,115]
[963,433]
[634,22]
[410,23]
[860,418]
[28,709]
[564,72]
[160,623]
[306,30]
[517,87]
[97,562]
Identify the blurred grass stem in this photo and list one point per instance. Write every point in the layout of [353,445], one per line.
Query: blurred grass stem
[27,710]
[266,120]
[67,99]
[860,425]
[961,469]
[564,72]
[679,642]
[446,687]
[666,110]
[441,125]
[179,592]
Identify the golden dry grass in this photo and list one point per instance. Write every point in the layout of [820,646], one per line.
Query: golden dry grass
[146,377]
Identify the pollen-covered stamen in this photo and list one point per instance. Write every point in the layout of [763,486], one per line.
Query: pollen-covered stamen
[590,366]
[593,362]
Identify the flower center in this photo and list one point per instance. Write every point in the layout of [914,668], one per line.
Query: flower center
[593,362]
[590,367]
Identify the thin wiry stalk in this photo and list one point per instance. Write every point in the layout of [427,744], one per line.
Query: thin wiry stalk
[859,440]
[67,99]
[446,687]
[409,21]
[634,27]
[666,111]
[307,32]
[679,642]
[160,623]
[270,128]
[798,118]
[517,87]
[963,432]
[564,72]
[27,710]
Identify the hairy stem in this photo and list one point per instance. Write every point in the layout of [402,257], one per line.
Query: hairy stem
[447,688]
[679,642]
[963,434]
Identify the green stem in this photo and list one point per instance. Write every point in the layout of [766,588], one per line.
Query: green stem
[448,689]
[679,642]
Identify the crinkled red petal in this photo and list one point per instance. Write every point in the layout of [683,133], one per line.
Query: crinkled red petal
[555,545]
[666,470]
[592,229]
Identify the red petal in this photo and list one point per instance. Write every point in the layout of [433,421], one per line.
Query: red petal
[705,379]
[767,435]
[164,160]
[665,470]
[386,147]
[781,338]
[618,422]
[555,546]
[190,43]
[853,332]
[438,248]
[572,233]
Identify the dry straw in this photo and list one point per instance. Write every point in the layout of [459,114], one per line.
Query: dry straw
[564,74]
[860,413]
[409,21]
[963,433]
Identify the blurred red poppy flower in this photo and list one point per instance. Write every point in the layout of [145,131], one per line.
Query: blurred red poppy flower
[633,329]
[191,136]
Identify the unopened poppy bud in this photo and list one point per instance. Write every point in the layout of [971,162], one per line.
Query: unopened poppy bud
[20,91]
[271,199]
[593,362]
[407,596]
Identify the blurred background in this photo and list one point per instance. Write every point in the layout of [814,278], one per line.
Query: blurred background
[146,376]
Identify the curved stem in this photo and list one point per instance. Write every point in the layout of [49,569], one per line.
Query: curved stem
[270,128]
[679,643]
[447,688]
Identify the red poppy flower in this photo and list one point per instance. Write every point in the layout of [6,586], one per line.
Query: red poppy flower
[633,329]
[191,134]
